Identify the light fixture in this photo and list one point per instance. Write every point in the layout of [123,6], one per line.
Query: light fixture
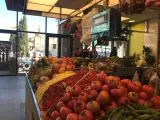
[44,2]
[111,2]
[124,18]
[65,11]
[38,7]
[85,7]
[131,21]
[54,15]
[41,5]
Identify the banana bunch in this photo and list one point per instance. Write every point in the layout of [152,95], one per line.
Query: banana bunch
[132,112]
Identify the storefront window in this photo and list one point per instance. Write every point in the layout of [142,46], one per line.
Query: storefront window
[7,54]
[33,23]
[52,25]
[7,18]
[30,49]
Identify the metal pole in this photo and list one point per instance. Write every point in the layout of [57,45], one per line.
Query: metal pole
[59,41]
[46,39]
[17,42]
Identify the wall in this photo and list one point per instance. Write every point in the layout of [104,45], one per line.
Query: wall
[151,38]
[136,41]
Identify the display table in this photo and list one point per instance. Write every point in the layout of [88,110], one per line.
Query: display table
[31,108]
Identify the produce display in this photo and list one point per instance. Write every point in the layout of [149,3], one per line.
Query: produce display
[151,3]
[45,69]
[78,61]
[132,6]
[133,111]
[64,92]
[103,97]
[49,97]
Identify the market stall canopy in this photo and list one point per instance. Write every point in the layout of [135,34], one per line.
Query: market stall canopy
[53,8]
[70,8]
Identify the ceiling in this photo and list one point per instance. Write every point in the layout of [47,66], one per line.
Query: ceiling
[15,5]
[146,15]
[69,8]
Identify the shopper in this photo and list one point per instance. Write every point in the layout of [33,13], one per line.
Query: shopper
[113,52]
[77,53]
[93,53]
[85,52]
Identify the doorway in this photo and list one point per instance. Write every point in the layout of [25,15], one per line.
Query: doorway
[8,54]
[58,45]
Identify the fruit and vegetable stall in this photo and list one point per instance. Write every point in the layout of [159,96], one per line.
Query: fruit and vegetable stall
[79,89]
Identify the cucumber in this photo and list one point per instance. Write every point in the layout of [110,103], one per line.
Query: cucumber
[129,118]
[143,116]
[150,117]
[132,113]
[114,112]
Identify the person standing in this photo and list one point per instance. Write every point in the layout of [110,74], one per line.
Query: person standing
[113,52]
[93,53]
[85,52]
[77,53]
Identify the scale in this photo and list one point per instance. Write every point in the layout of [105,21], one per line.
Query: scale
[106,26]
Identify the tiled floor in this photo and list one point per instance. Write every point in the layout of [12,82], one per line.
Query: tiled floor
[12,98]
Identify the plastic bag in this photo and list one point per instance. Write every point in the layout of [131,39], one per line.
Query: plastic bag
[135,77]
[155,83]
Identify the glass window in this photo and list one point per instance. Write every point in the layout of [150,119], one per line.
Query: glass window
[8,54]
[7,18]
[52,25]
[53,46]
[30,49]
[33,23]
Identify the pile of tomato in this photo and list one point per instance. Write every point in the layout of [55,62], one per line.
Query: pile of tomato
[104,93]
[56,91]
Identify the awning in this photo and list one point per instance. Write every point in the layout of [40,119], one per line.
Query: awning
[53,8]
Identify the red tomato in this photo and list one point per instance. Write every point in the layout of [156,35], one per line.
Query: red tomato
[105,88]
[60,105]
[111,107]
[75,91]
[79,106]
[103,98]
[133,96]
[83,96]
[96,85]
[143,95]
[94,107]
[54,115]
[87,89]
[123,101]
[101,77]
[112,83]
[116,93]
[66,98]
[155,101]
[72,116]
[86,115]
[141,101]
[125,82]
[137,83]
[59,118]
[71,104]
[93,95]
[148,89]
[133,87]
[64,111]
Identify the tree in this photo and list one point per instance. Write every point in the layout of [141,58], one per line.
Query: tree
[22,38]
[12,39]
